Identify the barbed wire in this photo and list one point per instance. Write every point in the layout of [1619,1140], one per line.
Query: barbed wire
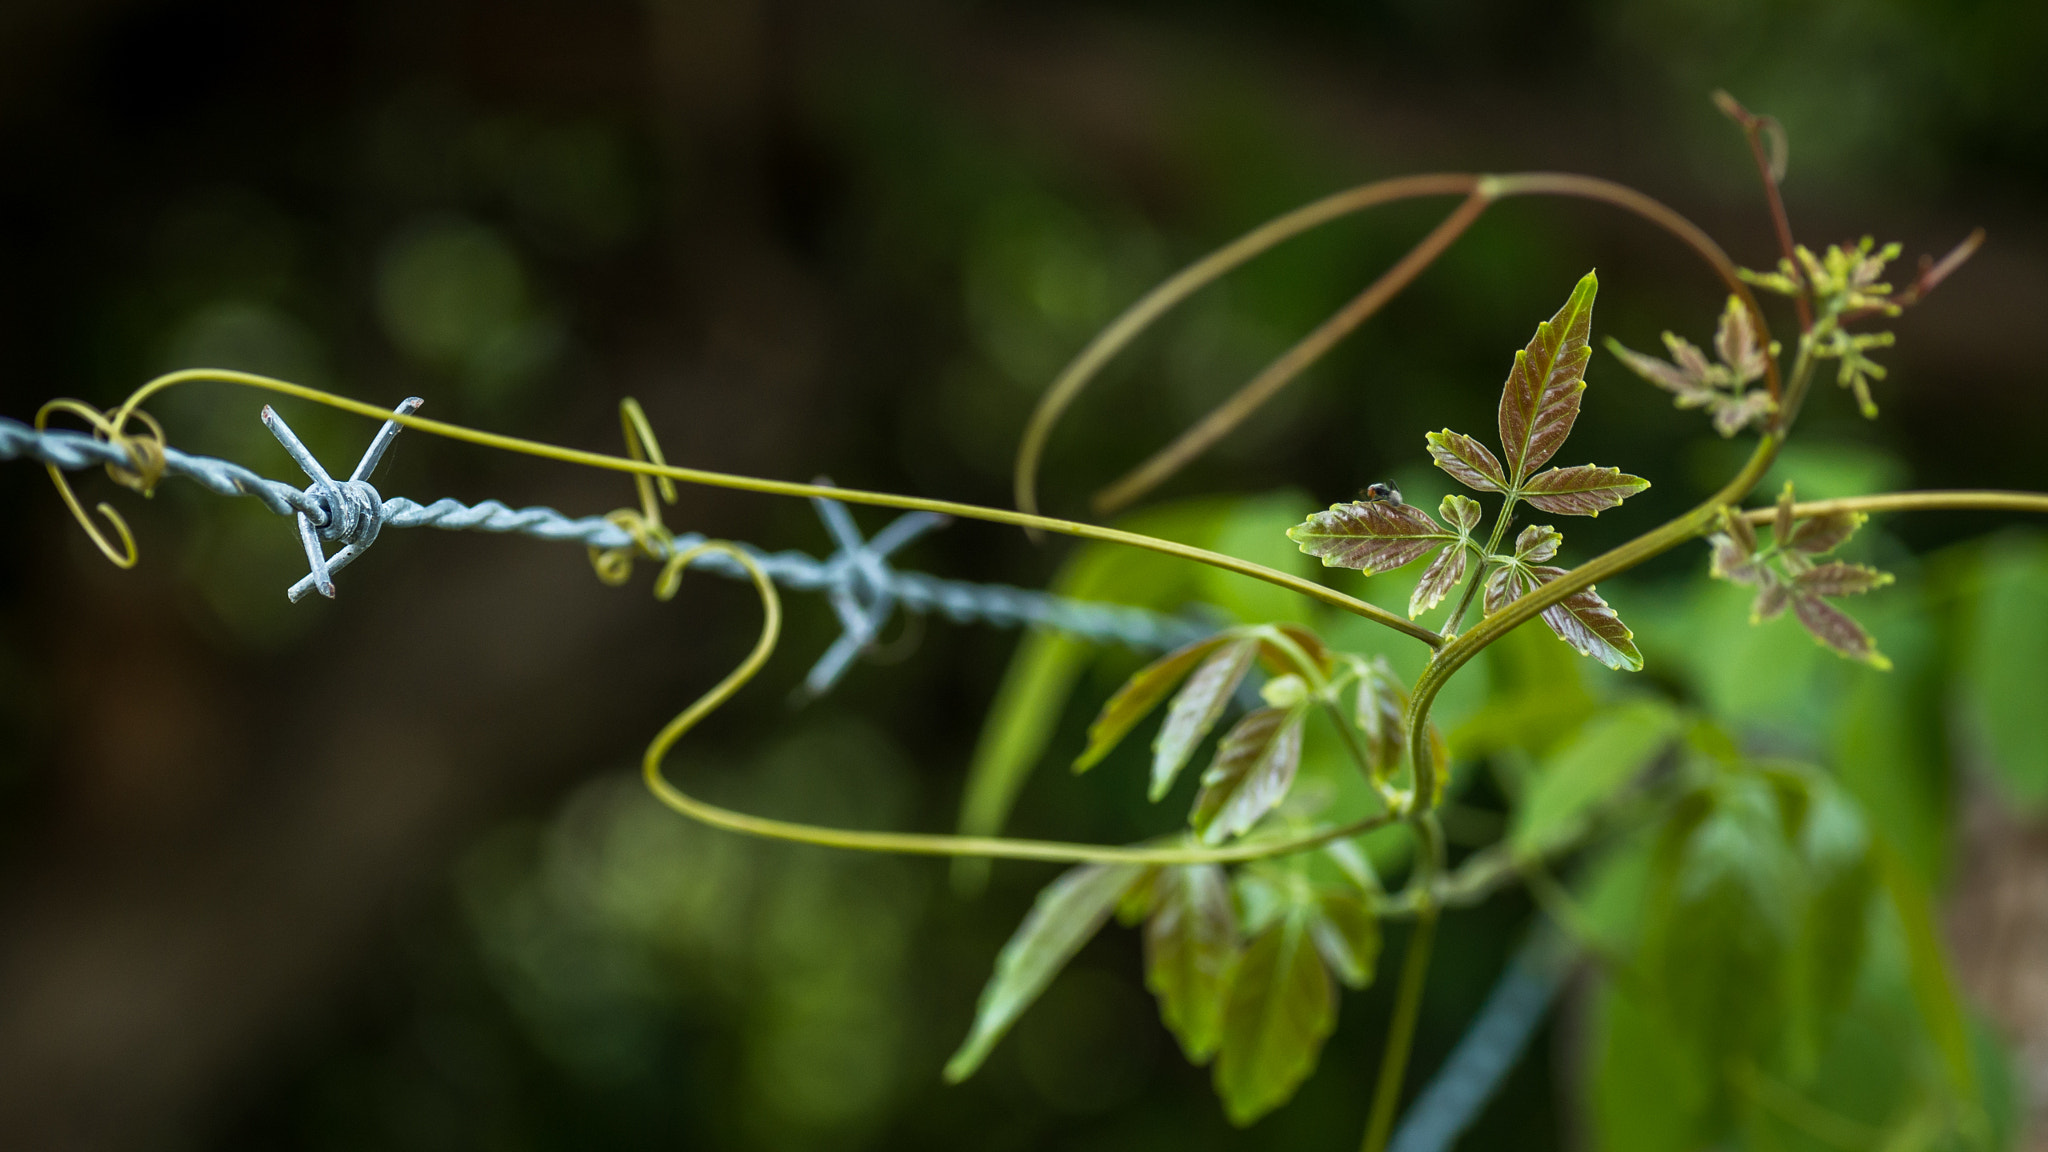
[865,591]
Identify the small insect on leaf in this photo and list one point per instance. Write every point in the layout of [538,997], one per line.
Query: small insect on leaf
[1281,1009]
[1067,915]
[1191,945]
[1582,490]
[1540,401]
[1467,460]
[1254,766]
[1196,707]
[1138,696]
[1370,536]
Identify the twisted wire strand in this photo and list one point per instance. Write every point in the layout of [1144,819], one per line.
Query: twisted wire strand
[859,570]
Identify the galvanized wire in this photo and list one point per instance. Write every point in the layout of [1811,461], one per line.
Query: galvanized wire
[864,589]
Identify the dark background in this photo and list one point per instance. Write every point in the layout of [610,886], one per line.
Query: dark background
[375,873]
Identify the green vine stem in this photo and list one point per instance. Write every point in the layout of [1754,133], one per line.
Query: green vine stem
[1480,191]
[711,479]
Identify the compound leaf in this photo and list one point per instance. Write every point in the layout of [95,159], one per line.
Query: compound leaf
[1138,696]
[1444,573]
[1467,460]
[1254,766]
[1581,490]
[1540,402]
[1281,1009]
[1066,916]
[1369,535]
[1191,946]
[1195,708]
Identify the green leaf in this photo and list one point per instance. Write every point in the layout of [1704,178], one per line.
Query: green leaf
[1927,968]
[2006,665]
[1138,696]
[1540,402]
[1725,909]
[1195,709]
[1467,460]
[1067,914]
[1368,535]
[1581,490]
[1444,573]
[1612,749]
[1347,935]
[1042,674]
[1834,849]
[1255,763]
[1020,725]
[1461,513]
[1191,947]
[1381,713]
[1281,1010]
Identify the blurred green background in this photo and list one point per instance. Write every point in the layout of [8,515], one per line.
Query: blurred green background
[376,873]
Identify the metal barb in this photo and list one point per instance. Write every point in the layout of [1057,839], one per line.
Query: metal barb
[350,511]
[860,585]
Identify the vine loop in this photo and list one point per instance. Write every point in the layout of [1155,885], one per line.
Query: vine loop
[145,453]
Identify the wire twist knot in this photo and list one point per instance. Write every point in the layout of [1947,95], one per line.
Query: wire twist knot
[348,511]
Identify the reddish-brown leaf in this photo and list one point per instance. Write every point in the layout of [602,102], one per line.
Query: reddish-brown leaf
[1586,622]
[1819,535]
[1583,490]
[1446,572]
[1254,766]
[1836,578]
[1541,399]
[1836,629]
[1467,460]
[1381,713]
[1368,535]
[1537,543]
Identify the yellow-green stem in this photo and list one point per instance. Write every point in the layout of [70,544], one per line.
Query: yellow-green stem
[1073,528]
[1386,1097]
